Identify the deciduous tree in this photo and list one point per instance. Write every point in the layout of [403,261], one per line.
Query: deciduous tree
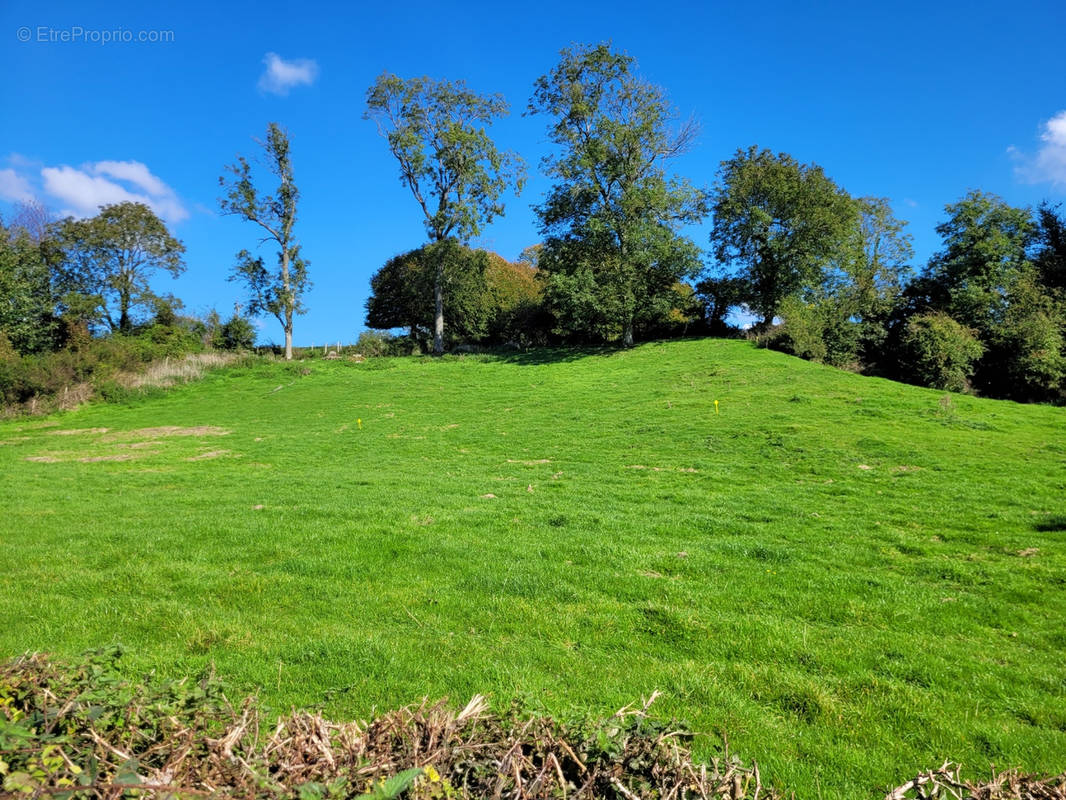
[112,257]
[436,131]
[780,224]
[279,290]
[613,251]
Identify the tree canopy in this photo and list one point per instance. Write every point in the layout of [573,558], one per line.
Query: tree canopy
[780,224]
[484,294]
[110,259]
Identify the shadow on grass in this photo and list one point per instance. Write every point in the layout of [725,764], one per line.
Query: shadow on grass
[564,353]
[1051,524]
[554,355]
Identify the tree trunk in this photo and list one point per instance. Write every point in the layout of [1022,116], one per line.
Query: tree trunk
[627,334]
[290,301]
[124,323]
[438,307]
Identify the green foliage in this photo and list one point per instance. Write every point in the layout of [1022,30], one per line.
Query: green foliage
[108,261]
[612,252]
[89,366]
[1050,256]
[237,333]
[375,344]
[51,717]
[939,351]
[514,298]
[436,131]
[1027,352]
[485,298]
[403,291]
[998,274]
[719,295]
[277,291]
[27,300]
[781,224]
[985,254]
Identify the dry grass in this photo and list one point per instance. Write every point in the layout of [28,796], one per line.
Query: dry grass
[169,372]
[946,783]
[157,375]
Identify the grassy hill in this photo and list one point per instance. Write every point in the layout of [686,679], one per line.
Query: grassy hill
[853,579]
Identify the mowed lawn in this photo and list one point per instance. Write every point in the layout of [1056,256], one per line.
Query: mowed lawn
[852,579]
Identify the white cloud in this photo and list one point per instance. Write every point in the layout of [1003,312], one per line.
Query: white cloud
[1049,163]
[280,75]
[83,191]
[135,172]
[14,188]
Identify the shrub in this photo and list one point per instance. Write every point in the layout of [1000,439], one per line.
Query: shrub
[238,333]
[44,378]
[375,344]
[939,352]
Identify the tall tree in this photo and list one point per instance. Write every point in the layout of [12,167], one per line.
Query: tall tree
[112,257]
[278,291]
[780,224]
[436,131]
[613,252]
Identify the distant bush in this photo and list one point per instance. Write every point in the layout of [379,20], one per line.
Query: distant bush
[236,334]
[374,344]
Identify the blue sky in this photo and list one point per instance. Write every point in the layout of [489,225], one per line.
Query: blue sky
[918,102]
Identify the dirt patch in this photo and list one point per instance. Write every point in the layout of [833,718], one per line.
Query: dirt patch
[138,445]
[1029,552]
[906,468]
[865,466]
[209,454]
[77,431]
[44,459]
[115,457]
[171,430]
[488,497]
[529,463]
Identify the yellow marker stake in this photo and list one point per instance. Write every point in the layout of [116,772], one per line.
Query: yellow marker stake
[359,422]
[715,406]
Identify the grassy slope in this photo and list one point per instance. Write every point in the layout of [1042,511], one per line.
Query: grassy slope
[828,569]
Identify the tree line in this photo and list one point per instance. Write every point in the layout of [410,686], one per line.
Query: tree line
[824,275]
[821,274]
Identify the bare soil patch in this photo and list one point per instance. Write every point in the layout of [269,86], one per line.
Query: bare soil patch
[208,455]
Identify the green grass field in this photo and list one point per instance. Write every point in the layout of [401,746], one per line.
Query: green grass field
[852,578]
